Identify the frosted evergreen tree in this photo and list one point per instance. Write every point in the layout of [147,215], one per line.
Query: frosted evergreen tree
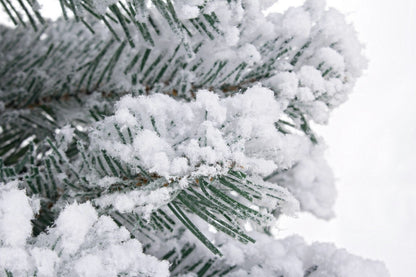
[166,137]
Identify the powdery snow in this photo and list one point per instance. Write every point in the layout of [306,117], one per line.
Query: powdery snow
[73,224]
[311,57]
[174,139]
[15,215]
[292,257]
[81,244]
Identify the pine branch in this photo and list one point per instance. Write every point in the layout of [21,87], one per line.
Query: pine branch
[173,120]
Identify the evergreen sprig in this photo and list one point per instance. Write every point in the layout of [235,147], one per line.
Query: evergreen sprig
[60,81]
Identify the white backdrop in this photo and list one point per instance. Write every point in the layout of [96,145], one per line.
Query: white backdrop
[372,143]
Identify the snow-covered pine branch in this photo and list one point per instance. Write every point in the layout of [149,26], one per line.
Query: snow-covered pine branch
[85,244]
[157,138]
[81,244]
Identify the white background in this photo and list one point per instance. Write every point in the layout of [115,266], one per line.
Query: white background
[372,142]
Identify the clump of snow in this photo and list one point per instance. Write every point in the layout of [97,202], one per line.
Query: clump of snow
[311,181]
[102,249]
[15,215]
[188,9]
[315,8]
[14,260]
[45,261]
[305,95]
[232,36]
[319,112]
[330,58]
[264,4]
[249,54]
[203,137]
[81,244]
[15,228]
[64,136]
[153,151]
[334,28]
[285,83]
[293,257]
[73,224]
[310,77]
[338,262]
[180,141]
[142,202]
[231,15]
[297,22]
[283,200]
